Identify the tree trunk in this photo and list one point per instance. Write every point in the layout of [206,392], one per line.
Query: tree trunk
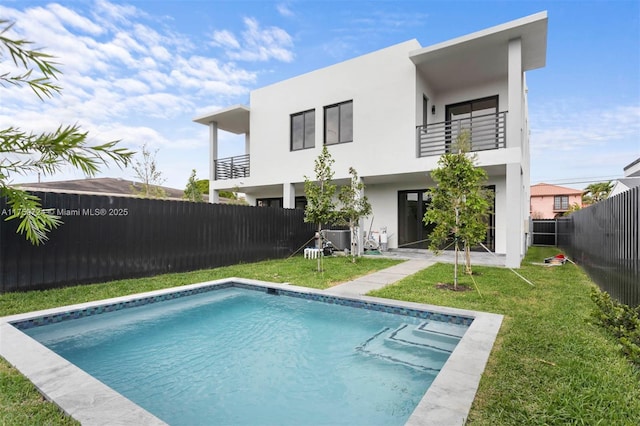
[354,244]
[319,246]
[467,255]
[455,267]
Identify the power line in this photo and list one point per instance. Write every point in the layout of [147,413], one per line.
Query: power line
[573,181]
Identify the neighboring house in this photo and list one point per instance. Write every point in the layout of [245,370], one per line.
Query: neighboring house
[552,201]
[390,114]
[631,179]
[633,169]
[99,186]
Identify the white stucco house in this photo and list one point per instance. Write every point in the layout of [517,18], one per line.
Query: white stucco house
[390,114]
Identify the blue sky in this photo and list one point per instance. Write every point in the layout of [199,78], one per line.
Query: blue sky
[140,71]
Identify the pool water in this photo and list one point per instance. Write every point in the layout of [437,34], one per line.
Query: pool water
[239,356]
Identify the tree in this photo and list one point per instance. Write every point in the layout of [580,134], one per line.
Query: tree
[354,207]
[596,192]
[46,153]
[574,207]
[320,207]
[203,186]
[232,196]
[148,174]
[460,205]
[192,192]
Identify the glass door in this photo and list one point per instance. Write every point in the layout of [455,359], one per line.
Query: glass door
[478,117]
[412,232]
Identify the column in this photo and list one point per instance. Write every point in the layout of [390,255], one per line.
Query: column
[213,156]
[288,196]
[514,218]
[514,117]
[514,192]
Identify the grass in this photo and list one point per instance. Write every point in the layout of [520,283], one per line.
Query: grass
[296,270]
[549,365]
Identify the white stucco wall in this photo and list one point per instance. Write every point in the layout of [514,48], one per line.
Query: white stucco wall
[382,87]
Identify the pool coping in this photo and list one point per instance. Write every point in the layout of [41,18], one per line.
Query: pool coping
[86,399]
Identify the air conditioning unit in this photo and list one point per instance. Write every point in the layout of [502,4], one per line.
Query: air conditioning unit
[341,239]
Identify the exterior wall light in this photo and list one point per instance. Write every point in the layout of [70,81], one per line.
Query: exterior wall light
[433,109]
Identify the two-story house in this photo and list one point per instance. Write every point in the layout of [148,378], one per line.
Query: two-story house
[390,114]
[552,201]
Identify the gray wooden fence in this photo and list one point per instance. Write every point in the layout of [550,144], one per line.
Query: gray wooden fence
[604,239]
[105,238]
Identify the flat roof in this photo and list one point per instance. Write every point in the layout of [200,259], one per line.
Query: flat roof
[234,119]
[446,65]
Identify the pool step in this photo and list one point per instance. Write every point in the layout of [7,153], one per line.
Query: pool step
[411,346]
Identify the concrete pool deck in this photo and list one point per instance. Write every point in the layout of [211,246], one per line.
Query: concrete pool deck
[447,401]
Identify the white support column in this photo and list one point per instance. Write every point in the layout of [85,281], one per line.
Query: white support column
[513,215]
[213,156]
[288,196]
[514,118]
[514,219]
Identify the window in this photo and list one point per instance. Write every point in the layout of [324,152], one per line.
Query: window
[269,202]
[561,202]
[338,123]
[301,203]
[303,130]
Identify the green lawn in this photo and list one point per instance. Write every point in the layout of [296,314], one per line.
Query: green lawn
[550,365]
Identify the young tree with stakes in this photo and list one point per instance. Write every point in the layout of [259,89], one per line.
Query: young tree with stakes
[320,207]
[460,204]
[25,152]
[354,206]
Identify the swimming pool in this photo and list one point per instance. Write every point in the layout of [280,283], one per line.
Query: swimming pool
[287,391]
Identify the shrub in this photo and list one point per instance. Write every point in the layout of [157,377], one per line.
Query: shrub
[621,320]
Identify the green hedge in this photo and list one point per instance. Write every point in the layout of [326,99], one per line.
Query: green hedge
[621,320]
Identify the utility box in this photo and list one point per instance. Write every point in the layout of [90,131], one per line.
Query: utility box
[341,239]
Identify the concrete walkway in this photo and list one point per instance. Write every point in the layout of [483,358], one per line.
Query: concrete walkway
[376,280]
[416,260]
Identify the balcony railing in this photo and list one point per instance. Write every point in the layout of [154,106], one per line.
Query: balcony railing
[232,167]
[486,131]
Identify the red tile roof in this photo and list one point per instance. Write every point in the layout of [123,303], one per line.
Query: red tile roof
[542,189]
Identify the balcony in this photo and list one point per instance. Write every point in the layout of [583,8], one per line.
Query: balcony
[232,167]
[487,132]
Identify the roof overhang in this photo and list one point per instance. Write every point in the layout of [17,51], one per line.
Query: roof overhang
[446,65]
[234,119]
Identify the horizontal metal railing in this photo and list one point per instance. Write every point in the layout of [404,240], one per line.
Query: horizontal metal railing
[486,131]
[232,167]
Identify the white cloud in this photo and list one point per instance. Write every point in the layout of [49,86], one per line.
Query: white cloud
[258,44]
[567,129]
[226,39]
[72,18]
[111,13]
[284,10]
[570,144]
[126,76]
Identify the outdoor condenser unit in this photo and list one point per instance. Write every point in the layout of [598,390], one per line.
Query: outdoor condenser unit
[340,239]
